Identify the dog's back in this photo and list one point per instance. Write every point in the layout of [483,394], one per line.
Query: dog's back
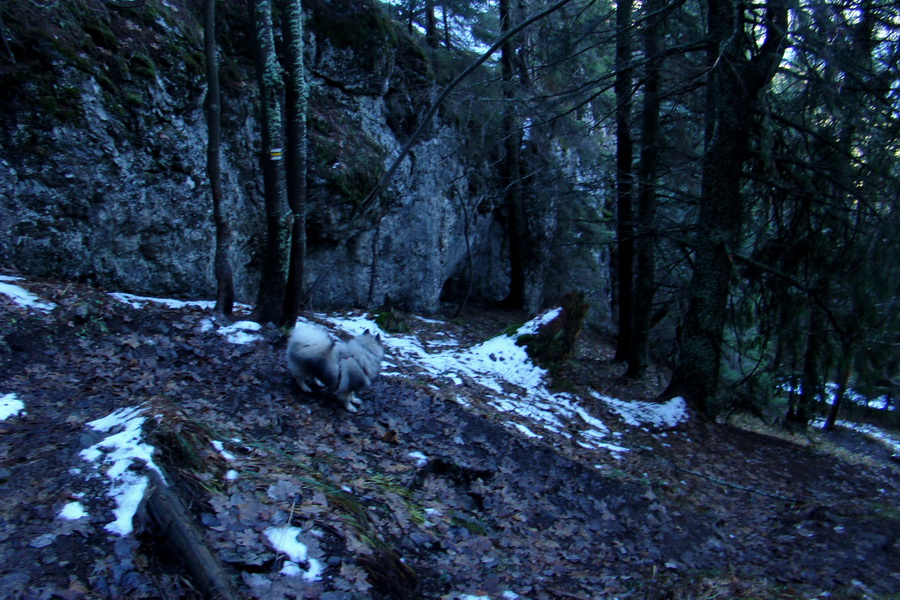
[368,352]
[359,362]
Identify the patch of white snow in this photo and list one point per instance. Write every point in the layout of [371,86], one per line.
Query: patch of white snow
[220,448]
[21,296]
[866,429]
[285,540]
[524,429]
[10,406]
[241,332]
[514,383]
[114,456]
[139,301]
[420,458]
[73,511]
[638,413]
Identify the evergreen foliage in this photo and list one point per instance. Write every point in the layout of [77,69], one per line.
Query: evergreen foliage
[790,159]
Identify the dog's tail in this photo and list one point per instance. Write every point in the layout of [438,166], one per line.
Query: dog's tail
[308,335]
[311,350]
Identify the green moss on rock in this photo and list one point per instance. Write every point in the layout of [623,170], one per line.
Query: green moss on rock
[555,342]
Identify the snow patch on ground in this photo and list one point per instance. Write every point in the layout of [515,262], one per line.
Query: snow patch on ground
[241,332]
[10,406]
[831,391]
[140,301]
[420,458]
[21,296]
[523,429]
[515,385]
[869,430]
[638,413]
[73,511]
[286,541]
[507,595]
[114,457]
[220,448]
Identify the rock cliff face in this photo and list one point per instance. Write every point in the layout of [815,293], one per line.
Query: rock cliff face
[103,174]
[102,165]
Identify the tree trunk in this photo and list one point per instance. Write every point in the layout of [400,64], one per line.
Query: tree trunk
[624,185]
[470,259]
[735,82]
[841,392]
[297,103]
[270,302]
[510,172]
[221,265]
[446,20]
[431,33]
[810,384]
[8,53]
[645,275]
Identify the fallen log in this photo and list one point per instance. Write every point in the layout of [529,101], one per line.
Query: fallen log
[171,520]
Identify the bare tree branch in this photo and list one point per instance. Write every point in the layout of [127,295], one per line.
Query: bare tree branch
[426,119]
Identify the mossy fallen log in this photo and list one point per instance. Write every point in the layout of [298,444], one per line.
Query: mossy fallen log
[170,520]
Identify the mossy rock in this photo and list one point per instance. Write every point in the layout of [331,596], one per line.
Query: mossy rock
[64,104]
[350,164]
[142,66]
[388,319]
[102,35]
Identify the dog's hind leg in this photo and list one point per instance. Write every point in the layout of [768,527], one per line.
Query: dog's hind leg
[349,400]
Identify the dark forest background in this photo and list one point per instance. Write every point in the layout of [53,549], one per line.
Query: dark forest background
[729,169]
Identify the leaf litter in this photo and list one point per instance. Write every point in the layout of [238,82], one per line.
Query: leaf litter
[466,475]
